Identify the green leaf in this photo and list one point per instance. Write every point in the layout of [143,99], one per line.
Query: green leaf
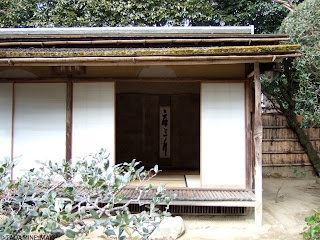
[110,233]
[33,213]
[39,162]
[53,194]
[159,189]
[68,208]
[156,168]
[121,230]
[99,222]
[21,189]
[70,233]
[127,177]
[94,214]
[100,182]
[82,210]
[117,181]
[145,230]
[45,198]
[26,228]
[91,182]
[106,165]
[126,218]
[156,214]
[156,224]
[53,226]
[128,231]
[166,214]
[65,218]
[45,211]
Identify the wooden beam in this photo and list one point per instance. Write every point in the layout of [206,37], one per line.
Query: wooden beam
[69,104]
[258,145]
[136,35]
[287,164]
[143,41]
[106,79]
[250,75]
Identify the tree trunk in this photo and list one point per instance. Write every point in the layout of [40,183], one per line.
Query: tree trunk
[303,139]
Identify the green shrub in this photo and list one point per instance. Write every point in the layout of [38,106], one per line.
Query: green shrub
[313,229]
[57,199]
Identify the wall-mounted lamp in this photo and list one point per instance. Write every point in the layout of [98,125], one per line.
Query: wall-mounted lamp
[271,71]
[268,75]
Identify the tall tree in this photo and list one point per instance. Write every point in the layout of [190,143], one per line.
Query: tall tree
[296,92]
[264,14]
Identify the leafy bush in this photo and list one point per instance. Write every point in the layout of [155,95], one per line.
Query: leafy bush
[313,229]
[57,199]
[303,27]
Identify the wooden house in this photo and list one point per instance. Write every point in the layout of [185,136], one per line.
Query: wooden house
[185,98]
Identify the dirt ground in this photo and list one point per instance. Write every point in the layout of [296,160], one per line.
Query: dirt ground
[282,220]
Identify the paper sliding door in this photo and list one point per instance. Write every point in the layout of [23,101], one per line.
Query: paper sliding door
[39,123]
[223,155]
[93,119]
[6,119]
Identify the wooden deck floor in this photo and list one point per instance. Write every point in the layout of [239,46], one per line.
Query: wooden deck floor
[195,195]
[185,190]
[199,197]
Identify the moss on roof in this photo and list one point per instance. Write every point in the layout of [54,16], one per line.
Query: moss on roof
[126,52]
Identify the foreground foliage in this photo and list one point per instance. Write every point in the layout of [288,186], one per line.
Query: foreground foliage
[313,229]
[57,199]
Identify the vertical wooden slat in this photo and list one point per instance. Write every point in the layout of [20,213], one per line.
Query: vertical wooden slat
[258,145]
[69,120]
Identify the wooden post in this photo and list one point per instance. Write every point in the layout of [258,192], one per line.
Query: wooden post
[69,121]
[12,125]
[258,145]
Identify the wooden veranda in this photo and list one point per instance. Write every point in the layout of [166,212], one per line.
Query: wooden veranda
[199,197]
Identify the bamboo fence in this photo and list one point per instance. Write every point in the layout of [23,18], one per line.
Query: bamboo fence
[280,146]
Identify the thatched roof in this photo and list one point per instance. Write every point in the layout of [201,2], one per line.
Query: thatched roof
[147,46]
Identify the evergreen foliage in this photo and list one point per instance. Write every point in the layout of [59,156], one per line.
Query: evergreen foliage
[265,15]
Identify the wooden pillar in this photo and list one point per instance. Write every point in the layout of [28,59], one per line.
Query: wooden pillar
[12,125]
[258,145]
[69,120]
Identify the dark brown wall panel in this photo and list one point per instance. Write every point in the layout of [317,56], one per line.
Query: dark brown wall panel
[137,129]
